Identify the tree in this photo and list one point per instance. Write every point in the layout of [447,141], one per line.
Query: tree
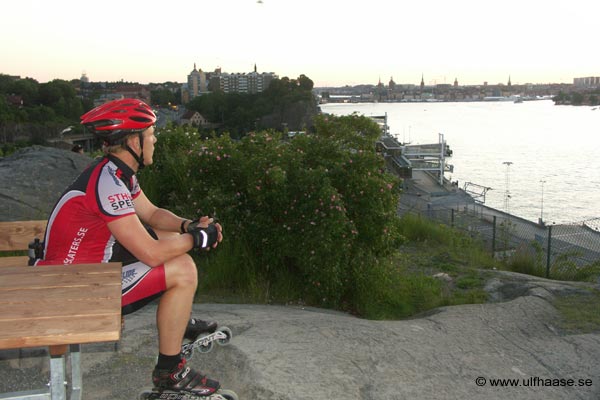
[163,97]
[5,112]
[26,88]
[5,82]
[577,99]
[305,83]
[60,95]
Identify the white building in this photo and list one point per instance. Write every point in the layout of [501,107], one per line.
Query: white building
[199,82]
[252,82]
[196,83]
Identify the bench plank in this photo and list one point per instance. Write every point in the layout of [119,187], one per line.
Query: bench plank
[16,235]
[50,308]
[57,331]
[14,261]
[65,276]
[31,296]
[57,305]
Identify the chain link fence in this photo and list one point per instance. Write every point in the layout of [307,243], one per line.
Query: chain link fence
[565,252]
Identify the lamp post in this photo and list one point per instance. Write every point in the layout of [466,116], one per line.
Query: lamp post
[507,193]
[542,208]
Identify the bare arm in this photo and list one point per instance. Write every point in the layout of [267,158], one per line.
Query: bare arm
[158,218]
[132,235]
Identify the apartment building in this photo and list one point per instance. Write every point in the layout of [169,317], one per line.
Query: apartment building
[587,82]
[200,82]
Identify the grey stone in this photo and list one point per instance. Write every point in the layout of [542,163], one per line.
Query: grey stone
[32,179]
[297,353]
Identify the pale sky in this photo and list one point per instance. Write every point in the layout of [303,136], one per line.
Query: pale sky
[333,42]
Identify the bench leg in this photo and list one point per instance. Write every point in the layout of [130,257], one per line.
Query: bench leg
[76,380]
[57,378]
[57,372]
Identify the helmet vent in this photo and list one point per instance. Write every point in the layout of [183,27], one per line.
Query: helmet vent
[140,119]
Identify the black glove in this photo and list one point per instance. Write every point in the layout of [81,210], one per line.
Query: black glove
[204,237]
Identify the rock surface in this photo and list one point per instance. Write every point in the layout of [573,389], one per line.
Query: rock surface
[291,353]
[33,178]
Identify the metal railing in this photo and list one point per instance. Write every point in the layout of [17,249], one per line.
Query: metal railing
[566,251]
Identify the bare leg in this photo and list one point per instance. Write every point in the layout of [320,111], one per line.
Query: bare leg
[175,304]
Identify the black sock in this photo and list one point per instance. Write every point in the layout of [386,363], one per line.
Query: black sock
[167,362]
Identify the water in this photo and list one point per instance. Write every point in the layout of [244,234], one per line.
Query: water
[554,151]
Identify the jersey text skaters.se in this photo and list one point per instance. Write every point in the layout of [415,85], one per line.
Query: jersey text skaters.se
[77,230]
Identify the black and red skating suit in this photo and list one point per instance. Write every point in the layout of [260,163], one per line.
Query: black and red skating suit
[77,230]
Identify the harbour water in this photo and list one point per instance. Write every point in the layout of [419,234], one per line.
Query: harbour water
[540,160]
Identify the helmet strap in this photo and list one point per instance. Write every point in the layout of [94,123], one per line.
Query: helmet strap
[140,158]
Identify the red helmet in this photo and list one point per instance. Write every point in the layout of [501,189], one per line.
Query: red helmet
[118,118]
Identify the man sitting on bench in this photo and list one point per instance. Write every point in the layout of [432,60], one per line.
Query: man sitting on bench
[105,216]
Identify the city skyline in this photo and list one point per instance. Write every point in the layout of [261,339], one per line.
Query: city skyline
[334,42]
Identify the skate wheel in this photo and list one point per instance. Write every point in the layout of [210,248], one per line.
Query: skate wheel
[146,394]
[228,394]
[207,348]
[228,333]
[188,353]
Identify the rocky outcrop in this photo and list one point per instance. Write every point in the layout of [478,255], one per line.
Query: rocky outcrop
[293,353]
[32,179]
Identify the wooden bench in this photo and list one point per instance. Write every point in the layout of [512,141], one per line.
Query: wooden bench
[16,236]
[59,307]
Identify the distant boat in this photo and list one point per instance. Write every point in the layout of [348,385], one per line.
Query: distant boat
[497,98]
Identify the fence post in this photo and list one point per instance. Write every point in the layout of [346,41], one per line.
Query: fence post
[494,237]
[549,251]
[452,217]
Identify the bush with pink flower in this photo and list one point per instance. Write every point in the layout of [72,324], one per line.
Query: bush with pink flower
[305,219]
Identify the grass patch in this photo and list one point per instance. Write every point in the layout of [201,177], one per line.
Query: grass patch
[580,313]
[227,275]
[531,260]
[400,286]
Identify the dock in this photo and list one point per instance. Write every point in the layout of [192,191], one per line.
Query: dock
[427,192]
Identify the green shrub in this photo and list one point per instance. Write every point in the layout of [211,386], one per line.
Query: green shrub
[305,219]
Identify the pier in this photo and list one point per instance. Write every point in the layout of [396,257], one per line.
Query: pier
[560,248]
[406,159]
